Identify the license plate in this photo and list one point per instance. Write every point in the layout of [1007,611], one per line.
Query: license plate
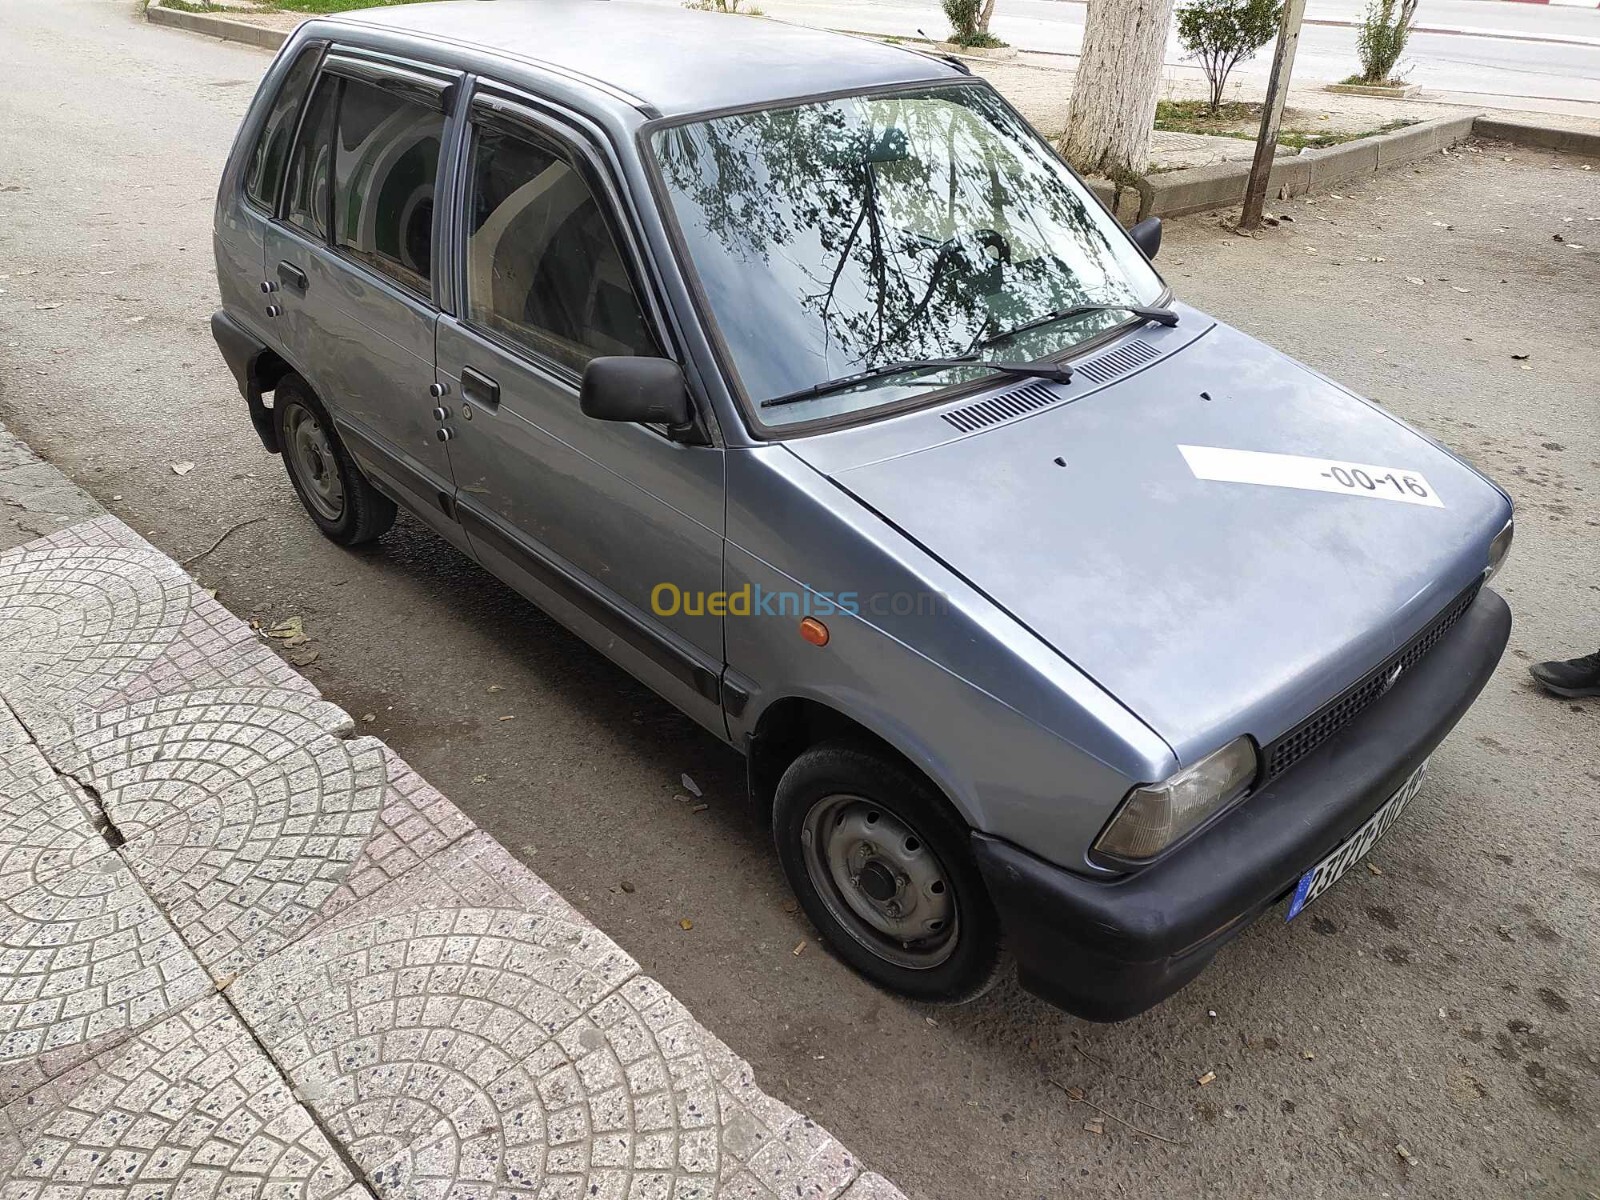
[1351,851]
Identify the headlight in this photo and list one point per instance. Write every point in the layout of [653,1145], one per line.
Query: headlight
[1500,550]
[1156,815]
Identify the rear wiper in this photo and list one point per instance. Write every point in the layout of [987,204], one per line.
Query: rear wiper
[1162,316]
[1039,370]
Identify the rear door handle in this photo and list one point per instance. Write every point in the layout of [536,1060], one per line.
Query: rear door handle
[292,275]
[479,388]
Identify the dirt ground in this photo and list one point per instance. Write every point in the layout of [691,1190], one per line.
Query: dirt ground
[1431,1029]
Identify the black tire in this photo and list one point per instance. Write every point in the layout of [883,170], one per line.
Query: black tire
[878,790]
[361,512]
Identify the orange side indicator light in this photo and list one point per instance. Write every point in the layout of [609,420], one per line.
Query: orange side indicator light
[814,631]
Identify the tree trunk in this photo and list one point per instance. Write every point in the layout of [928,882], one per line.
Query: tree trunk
[984,14]
[1114,98]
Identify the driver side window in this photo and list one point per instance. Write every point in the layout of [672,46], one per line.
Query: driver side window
[543,270]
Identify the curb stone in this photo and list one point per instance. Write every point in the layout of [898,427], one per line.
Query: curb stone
[246,953]
[1219,185]
[225,28]
[35,498]
[1546,137]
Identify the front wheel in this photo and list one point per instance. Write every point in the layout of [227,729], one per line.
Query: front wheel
[884,870]
[347,508]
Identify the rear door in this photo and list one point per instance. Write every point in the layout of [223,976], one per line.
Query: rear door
[249,195]
[588,518]
[353,258]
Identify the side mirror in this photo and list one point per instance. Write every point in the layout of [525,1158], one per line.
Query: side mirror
[627,388]
[1147,236]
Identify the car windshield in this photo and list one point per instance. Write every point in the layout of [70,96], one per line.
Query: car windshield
[835,237]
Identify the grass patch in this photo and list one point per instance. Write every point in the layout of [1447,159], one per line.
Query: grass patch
[1195,116]
[188,6]
[1359,80]
[1237,119]
[1303,139]
[978,41]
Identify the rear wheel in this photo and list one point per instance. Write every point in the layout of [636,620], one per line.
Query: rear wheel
[884,869]
[347,508]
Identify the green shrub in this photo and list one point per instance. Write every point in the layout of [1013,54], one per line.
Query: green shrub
[1381,38]
[1223,33]
[963,17]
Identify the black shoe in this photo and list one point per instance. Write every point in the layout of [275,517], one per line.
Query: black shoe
[1575,677]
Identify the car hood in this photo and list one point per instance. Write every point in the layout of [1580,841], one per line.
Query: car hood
[1208,608]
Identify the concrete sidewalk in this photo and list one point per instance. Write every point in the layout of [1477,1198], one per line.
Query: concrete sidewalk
[247,953]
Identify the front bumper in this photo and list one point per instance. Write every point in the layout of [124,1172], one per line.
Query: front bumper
[1108,949]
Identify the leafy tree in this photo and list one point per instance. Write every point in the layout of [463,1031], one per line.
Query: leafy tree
[1223,33]
[970,21]
[1382,36]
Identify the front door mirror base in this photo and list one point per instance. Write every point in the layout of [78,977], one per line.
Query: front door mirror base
[1147,236]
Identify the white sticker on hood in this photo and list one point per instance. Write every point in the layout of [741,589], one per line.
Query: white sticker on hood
[1311,474]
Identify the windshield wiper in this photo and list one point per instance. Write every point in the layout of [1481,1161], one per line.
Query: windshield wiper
[1162,316]
[1040,370]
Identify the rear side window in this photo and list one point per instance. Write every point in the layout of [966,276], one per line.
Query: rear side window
[386,161]
[306,201]
[264,175]
[542,268]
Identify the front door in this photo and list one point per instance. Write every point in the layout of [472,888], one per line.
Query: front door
[613,528]
[353,258]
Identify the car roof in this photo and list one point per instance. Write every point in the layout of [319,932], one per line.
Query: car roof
[667,58]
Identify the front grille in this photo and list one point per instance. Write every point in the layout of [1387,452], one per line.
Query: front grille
[1305,737]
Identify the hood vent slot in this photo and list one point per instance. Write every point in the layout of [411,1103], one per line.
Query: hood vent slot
[1117,362]
[1004,407]
[1031,397]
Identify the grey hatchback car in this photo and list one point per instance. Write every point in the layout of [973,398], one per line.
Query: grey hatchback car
[1057,621]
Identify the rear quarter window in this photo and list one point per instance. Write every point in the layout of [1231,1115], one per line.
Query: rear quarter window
[264,175]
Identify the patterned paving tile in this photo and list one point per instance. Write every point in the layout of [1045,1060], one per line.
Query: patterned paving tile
[76,623]
[415,823]
[94,616]
[280,752]
[86,958]
[250,816]
[44,826]
[454,1023]
[467,1033]
[188,1110]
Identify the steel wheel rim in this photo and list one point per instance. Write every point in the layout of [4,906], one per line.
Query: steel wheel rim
[311,459]
[880,881]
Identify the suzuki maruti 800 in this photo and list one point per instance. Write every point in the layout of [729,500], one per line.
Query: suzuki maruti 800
[1058,621]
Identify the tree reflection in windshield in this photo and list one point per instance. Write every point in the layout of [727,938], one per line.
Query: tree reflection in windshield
[836,236]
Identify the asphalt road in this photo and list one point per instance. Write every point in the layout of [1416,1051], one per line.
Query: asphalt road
[1449,1005]
[1494,49]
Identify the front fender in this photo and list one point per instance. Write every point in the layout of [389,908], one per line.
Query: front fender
[1023,745]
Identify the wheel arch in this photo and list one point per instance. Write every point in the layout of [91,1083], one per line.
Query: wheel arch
[790,725]
[257,368]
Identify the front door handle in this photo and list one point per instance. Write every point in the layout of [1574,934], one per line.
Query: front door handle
[479,388]
[292,275]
